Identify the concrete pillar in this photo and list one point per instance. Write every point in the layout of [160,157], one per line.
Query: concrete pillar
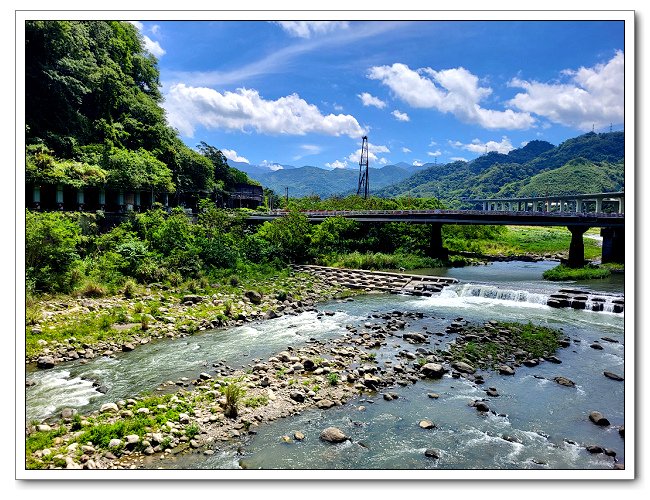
[102,198]
[436,250]
[577,246]
[578,206]
[59,196]
[120,200]
[36,197]
[136,200]
[484,206]
[621,205]
[599,205]
[80,199]
[561,205]
[166,199]
[613,245]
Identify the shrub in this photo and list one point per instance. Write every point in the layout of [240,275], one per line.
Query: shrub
[333,378]
[92,290]
[234,394]
[130,289]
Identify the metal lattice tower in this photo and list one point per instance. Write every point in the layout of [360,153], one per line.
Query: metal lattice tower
[364,186]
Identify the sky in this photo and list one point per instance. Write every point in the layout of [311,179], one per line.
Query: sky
[301,93]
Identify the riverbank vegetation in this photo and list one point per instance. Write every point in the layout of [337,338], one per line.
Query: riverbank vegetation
[565,273]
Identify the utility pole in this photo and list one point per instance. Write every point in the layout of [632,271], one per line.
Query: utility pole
[286,190]
[363,169]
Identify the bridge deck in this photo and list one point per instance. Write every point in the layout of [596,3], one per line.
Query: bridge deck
[460,217]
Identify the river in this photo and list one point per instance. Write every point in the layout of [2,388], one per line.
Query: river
[536,424]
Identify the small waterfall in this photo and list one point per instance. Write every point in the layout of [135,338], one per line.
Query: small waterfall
[496,293]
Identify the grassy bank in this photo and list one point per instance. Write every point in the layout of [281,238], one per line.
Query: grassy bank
[564,273]
[523,240]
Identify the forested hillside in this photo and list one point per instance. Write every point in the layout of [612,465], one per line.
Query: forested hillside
[93,114]
[587,163]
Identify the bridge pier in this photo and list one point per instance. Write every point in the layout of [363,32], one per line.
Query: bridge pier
[436,250]
[613,245]
[577,246]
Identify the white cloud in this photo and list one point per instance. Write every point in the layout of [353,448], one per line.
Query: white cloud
[231,154]
[458,158]
[337,164]
[476,146]
[245,110]
[271,165]
[338,107]
[373,149]
[433,143]
[406,150]
[523,143]
[435,153]
[371,100]
[149,44]
[402,117]
[592,97]
[417,163]
[305,29]
[454,91]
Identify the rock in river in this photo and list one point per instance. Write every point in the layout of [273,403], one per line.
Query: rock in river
[613,376]
[597,418]
[463,367]
[45,362]
[432,370]
[565,381]
[333,435]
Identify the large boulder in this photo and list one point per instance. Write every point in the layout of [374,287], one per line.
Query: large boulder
[433,370]
[463,367]
[45,362]
[506,370]
[597,418]
[333,435]
[108,407]
[254,296]
[613,376]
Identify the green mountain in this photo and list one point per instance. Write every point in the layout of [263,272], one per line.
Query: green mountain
[308,180]
[587,163]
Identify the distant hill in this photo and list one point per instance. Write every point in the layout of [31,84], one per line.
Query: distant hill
[308,180]
[587,163]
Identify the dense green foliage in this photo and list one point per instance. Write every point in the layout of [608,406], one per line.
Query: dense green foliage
[94,117]
[588,163]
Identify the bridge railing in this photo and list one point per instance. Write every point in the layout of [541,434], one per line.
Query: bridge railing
[353,213]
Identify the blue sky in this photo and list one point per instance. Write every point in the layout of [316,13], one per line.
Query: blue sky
[304,93]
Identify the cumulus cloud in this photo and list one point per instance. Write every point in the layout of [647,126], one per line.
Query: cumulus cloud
[592,96]
[476,146]
[245,110]
[337,164]
[458,158]
[402,117]
[149,44]
[370,100]
[434,153]
[417,163]
[232,155]
[305,29]
[454,91]
[373,149]
[406,150]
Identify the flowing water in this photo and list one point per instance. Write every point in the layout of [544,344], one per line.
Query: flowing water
[538,424]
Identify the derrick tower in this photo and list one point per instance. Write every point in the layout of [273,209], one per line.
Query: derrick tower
[364,186]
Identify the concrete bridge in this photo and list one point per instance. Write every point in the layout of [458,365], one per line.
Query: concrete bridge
[612,225]
[578,203]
